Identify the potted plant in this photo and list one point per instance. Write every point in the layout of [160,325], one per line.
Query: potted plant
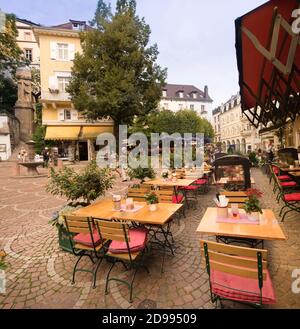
[3,265]
[141,173]
[152,200]
[165,175]
[79,188]
[252,205]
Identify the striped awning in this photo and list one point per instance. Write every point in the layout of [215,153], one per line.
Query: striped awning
[92,132]
[62,133]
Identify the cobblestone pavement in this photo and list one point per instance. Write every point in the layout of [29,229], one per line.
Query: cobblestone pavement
[39,274]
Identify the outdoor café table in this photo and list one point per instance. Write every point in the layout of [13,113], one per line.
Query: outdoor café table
[178,182]
[224,180]
[160,218]
[295,173]
[288,169]
[267,229]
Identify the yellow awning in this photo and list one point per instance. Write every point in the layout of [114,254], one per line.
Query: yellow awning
[62,133]
[93,132]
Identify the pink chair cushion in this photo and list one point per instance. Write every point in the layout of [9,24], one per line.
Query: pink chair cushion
[85,238]
[178,199]
[137,242]
[190,188]
[276,170]
[242,289]
[292,183]
[201,181]
[292,197]
[284,177]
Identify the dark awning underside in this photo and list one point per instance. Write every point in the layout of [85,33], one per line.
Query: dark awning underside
[268,56]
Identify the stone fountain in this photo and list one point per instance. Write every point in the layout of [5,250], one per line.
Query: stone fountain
[30,162]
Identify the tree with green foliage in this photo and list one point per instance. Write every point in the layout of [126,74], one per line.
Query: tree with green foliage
[116,75]
[10,59]
[103,15]
[165,121]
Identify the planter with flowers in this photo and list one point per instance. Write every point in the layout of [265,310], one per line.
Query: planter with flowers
[165,175]
[80,189]
[252,205]
[3,265]
[152,200]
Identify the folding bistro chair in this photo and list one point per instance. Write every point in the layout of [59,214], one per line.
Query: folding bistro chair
[291,202]
[127,246]
[238,274]
[85,243]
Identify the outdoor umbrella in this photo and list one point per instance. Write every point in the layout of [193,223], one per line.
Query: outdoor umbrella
[268,56]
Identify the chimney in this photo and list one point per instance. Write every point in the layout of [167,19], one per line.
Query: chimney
[205,91]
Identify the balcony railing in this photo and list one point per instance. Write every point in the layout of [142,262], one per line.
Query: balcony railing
[55,95]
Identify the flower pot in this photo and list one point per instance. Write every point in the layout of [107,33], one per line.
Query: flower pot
[152,207]
[254,216]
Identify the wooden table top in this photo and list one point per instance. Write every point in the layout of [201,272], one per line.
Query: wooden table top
[290,169]
[268,229]
[161,182]
[295,173]
[224,180]
[104,210]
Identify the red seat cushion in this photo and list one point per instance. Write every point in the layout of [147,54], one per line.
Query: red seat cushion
[242,289]
[137,241]
[284,177]
[190,188]
[85,239]
[178,199]
[292,183]
[201,181]
[292,197]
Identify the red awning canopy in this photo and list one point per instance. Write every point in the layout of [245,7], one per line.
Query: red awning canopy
[268,56]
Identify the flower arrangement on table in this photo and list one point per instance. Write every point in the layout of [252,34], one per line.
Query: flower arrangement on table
[165,174]
[252,205]
[152,199]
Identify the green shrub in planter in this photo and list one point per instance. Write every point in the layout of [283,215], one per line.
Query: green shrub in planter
[87,185]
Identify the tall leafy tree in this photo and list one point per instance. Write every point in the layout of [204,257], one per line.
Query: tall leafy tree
[10,59]
[117,75]
[102,15]
[10,53]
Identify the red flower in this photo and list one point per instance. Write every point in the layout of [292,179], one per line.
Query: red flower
[254,192]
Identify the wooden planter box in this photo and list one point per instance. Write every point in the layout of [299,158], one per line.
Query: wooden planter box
[63,239]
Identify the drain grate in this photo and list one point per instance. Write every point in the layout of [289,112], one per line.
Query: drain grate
[147,304]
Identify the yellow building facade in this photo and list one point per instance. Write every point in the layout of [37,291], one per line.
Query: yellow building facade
[64,124]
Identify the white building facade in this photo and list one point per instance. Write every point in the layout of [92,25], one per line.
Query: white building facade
[27,42]
[233,129]
[181,97]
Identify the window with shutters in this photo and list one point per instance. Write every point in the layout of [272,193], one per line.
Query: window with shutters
[67,114]
[62,51]
[28,54]
[63,83]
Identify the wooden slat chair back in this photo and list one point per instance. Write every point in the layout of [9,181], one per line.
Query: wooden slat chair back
[240,261]
[110,230]
[165,195]
[138,194]
[239,197]
[180,173]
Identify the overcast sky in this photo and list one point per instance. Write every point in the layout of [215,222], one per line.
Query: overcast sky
[196,38]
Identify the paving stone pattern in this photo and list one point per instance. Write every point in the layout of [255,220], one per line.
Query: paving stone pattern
[39,273]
